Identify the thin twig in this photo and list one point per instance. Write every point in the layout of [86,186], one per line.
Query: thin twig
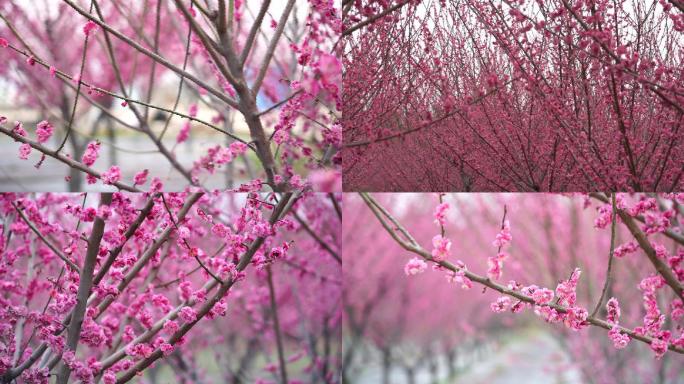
[78,89]
[189,248]
[272,46]
[609,277]
[47,242]
[276,326]
[335,204]
[318,239]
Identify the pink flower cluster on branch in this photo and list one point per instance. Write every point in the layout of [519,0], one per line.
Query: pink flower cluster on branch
[150,297]
[563,305]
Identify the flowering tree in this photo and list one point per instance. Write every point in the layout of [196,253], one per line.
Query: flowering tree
[530,95]
[604,271]
[107,290]
[267,68]
[409,324]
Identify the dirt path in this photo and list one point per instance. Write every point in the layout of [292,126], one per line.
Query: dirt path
[533,358]
[529,357]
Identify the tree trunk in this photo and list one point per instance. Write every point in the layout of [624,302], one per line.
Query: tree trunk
[386,365]
[410,375]
[451,362]
[433,366]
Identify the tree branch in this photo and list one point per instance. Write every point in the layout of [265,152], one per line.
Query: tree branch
[84,287]
[272,47]
[276,326]
[318,239]
[153,55]
[374,18]
[47,242]
[420,251]
[280,210]
[645,244]
[604,291]
[64,159]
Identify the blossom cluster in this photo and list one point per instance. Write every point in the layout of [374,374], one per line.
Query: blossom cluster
[167,269]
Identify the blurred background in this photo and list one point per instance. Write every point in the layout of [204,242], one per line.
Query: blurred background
[423,329]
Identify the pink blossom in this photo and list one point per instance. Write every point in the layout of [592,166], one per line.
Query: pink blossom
[333,136]
[192,112]
[550,315]
[440,214]
[184,133]
[112,175]
[620,340]
[238,148]
[24,151]
[140,178]
[156,185]
[4,43]
[184,233]
[19,129]
[575,318]
[219,309]
[188,314]
[415,266]
[91,153]
[330,68]
[89,27]
[166,349]
[495,265]
[459,277]
[223,156]
[613,309]
[677,309]
[170,327]
[219,230]
[141,350]
[542,296]
[501,304]
[627,248]
[44,131]
[565,291]
[659,347]
[325,180]
[441,245]
[109,377]
[504,237]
